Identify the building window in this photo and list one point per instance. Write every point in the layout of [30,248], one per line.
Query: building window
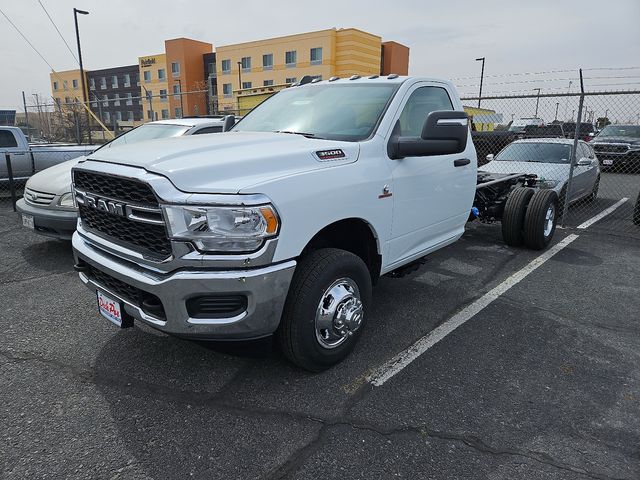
[127,80]
[94,104]
[67,100]
[165,114]
[114,81]
[107,117]
[163,95]
[316,56]
[267,61]
[149,114]
[178,112]
[137,79]
[246,84]
[130,116]
[105,101]
[116,102]
[103,83]
[162,74]
[92,84]
[129,99]
[74,82]
[65,85]
[246,64]
[211,69]
[226,90]
[119,116]
[291,80]
[175,69]
[291,58]
[147,75]
[267,83]
[55,85]
[226,66]
[176,89]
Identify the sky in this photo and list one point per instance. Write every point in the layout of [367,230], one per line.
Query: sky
[445,38]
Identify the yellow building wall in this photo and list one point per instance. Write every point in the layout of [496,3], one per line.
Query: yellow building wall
[66,93]
[345,52]
[152,63]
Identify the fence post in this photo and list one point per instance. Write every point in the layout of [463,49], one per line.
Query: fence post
[12,187]
[572,160]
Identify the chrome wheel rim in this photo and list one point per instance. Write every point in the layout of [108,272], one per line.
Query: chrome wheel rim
[548,220]
[339,313]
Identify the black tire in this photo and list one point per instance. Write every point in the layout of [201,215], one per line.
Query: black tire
[636,212]
[535,221]
[315,273]
[594,192]
[513,217]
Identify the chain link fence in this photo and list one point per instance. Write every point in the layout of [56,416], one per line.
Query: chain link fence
[585,146]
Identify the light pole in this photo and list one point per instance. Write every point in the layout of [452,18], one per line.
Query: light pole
[481,79]
[84,93]
[566,105]
[557,105]
[181,104]
[535,115]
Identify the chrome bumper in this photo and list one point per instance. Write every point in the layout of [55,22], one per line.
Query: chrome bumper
[266,290]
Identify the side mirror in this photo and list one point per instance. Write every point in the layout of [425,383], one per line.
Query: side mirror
[583,162]
[444,132]
[490,157]
[229,122]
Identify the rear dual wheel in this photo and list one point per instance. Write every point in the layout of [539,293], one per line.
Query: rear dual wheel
[530,217]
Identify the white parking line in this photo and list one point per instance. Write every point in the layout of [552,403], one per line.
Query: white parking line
[404,358]
[602,214]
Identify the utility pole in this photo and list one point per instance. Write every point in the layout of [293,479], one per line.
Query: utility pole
[84,92]
[535,115]
[148,95]
[239,84]
[481,78]
[26,115]
[566,105]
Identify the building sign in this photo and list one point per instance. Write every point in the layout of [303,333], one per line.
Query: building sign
[147,62]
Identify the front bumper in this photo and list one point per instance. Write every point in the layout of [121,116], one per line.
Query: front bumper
[52,223]
[265,288]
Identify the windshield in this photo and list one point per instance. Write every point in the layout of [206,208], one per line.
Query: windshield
[535,152]
[620,131]
[347,112]
[149,131]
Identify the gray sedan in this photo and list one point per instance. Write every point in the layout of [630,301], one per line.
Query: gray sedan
[548,158]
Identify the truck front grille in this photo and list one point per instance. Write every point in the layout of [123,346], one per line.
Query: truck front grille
[38,198]
[149,239]
[610,148]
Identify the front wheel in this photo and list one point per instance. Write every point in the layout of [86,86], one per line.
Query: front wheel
[325,310]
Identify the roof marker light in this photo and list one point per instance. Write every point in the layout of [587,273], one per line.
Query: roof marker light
[373,76]
[333,79]
[354,77]
[392,76]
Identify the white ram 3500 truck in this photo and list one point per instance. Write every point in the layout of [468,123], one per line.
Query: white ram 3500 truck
[283,224]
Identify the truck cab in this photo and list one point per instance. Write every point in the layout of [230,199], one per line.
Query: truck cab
[282,224]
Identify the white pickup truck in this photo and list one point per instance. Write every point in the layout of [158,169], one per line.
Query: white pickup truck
[28,159]
[283,223]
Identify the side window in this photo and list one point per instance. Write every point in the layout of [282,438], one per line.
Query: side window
[216,129]
[583,151]
[7,140]
[421,103]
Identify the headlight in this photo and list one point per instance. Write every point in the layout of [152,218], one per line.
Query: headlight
[543,183]
[222,229]
[66,200]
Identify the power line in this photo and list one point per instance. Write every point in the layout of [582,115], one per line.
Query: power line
[26,40]
[59,33]
[573,70]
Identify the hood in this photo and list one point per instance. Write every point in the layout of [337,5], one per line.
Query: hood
[549,171]
[626,140]
[56,179]
[229,162]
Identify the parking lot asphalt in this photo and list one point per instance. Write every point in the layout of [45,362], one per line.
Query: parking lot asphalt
[542,383]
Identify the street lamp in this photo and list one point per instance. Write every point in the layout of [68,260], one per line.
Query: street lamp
[535,115]
[481,78]
[181,104]
[84,93]
[557,105]
[239,84]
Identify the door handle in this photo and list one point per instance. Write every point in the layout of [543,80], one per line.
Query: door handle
[461,162]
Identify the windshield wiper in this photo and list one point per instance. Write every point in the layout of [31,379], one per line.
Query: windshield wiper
[304,134]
